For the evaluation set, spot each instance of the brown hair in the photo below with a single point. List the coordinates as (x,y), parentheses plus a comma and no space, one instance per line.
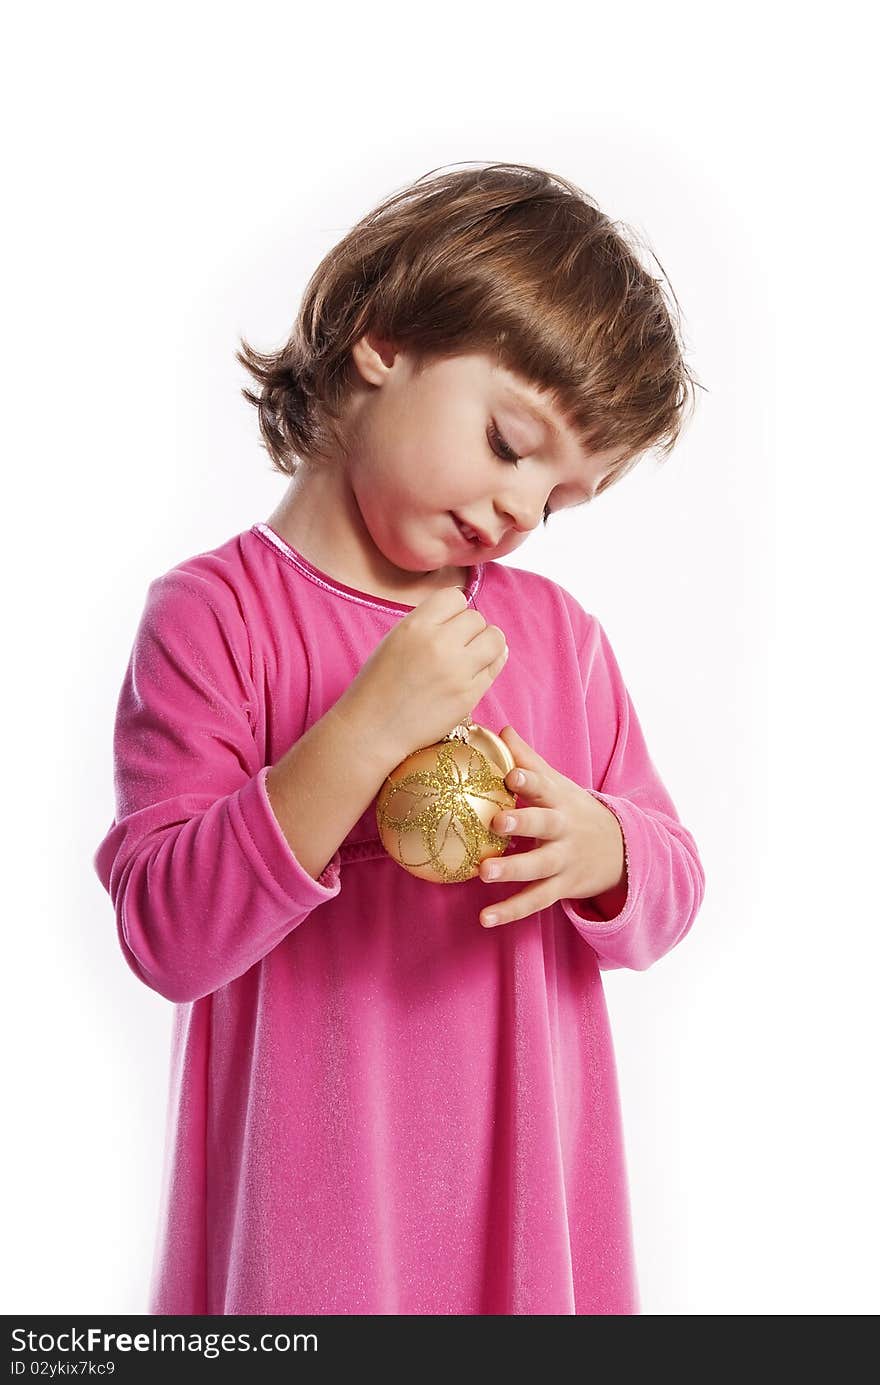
(506,260)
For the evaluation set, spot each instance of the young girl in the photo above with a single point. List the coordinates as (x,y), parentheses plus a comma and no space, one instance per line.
(391,1095)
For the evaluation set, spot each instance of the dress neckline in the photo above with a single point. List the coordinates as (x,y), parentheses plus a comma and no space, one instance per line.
(337,588)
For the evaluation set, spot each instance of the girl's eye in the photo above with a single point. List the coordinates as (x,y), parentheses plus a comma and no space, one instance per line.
(503,450)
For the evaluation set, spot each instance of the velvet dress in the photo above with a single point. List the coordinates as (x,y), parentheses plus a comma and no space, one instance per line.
(376,1105)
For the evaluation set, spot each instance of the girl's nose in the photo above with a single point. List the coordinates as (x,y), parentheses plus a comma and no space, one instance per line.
(524,509)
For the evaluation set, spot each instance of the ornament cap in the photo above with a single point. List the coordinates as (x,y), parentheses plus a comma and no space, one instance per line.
(459,732)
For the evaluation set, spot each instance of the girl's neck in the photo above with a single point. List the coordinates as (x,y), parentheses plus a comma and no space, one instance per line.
(342,547)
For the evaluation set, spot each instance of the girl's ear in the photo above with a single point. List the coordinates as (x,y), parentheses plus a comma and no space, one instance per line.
(373,357)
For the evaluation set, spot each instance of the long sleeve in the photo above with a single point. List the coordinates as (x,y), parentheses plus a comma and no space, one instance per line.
(202,878)
(665,879)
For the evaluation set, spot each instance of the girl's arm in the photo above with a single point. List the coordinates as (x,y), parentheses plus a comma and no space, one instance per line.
(665,881)
(203,879)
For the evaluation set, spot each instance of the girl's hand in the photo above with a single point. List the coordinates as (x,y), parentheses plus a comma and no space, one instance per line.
(583,855)
(426,675)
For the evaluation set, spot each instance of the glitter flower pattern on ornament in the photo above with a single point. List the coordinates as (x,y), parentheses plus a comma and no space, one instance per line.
(434,810)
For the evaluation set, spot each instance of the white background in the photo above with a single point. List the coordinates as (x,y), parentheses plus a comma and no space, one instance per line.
(173,176)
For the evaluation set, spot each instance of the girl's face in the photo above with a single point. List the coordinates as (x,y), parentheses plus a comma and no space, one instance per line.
(458,439)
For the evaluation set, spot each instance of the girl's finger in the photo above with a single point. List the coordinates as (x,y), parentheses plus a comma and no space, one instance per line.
(519,906)
(543,823)
(539,864)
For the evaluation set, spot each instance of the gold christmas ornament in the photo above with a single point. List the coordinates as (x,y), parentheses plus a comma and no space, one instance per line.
(434,810)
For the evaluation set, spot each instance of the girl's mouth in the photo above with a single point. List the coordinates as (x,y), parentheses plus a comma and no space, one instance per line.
(467,533)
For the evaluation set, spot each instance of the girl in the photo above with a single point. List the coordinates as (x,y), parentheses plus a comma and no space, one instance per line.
(379,1106)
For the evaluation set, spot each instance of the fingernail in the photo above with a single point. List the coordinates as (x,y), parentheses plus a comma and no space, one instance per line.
(517,778)
(490,872)
(489,919)
(506,822)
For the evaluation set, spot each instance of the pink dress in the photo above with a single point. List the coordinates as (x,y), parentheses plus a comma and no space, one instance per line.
(376,1105)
